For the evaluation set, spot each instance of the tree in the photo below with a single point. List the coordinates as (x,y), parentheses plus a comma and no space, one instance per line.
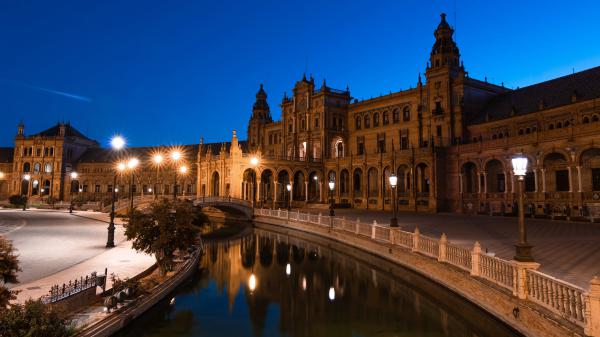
(167,226)
(17,200)
(34,319)
(9,267)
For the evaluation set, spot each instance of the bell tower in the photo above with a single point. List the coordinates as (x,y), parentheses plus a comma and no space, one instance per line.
(261,115)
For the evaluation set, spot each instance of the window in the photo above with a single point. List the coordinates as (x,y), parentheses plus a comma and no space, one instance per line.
(37,167)
(558,125)
(48,167)
(52,151)
(406,114)
(360,146)
(596,179)
(357,124)
(595,118)
(109,188)
(375,119)
(85,188)
(438,108)
(367,122)
(404,142)
(562,180)
(386,118)
(586,120)
(381,146)
(501,182)
(133,188)
(520,133)
(551,127)
(38,152)
(302,124)
(395,116)
(46,152)
(97,188)
(317,122)
(438,130)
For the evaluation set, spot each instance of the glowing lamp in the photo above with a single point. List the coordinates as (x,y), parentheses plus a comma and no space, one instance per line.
(519,164)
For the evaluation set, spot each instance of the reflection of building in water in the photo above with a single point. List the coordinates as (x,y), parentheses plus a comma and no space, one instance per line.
(298,277)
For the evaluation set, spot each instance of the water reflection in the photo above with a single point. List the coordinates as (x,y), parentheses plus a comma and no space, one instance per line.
(269,284)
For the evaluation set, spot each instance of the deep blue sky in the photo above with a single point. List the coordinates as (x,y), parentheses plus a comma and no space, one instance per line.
(168,72)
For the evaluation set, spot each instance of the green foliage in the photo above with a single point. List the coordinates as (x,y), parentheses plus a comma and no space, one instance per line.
(9,267)
(34,319)
(17,200)
(120,284)
(166,226)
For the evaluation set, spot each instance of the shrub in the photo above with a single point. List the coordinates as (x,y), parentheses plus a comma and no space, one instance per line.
(34,319)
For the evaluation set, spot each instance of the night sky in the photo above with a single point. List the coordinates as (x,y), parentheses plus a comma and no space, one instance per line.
(170,72)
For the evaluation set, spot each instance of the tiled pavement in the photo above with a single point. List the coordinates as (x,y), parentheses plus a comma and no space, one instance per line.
(566,250)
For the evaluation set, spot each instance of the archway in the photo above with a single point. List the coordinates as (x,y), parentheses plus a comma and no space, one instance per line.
(313,187)
(357,183)
(557,173)
(215,184)
(403,174)
(337,148)
(422,179)
(590,170)
(299,188)
(344,183)
(469,178)
(495,178)
(267,186)
(372,183)
(283,179)
(249,185)
(46,187)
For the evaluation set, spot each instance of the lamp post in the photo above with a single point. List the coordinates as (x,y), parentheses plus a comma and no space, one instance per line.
(289,196)
(73,177)
(158,159)
(393,183)
(523,249)
(27,177)
(182,171)
(331,187)
(175,156)
(117,143)
(131,165)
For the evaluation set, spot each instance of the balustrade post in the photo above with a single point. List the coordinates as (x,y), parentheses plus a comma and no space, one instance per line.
(442,248)
(476,259)
(592,312)
(319,218)
(373,229)
(357,229)
(520,286)
(416,235)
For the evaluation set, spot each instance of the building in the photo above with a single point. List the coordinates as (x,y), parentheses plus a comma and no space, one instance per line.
(449,140)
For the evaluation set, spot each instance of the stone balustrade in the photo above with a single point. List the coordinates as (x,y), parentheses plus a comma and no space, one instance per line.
(567,301)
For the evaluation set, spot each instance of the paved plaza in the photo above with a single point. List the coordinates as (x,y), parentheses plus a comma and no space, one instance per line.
(567,250)
(55,247)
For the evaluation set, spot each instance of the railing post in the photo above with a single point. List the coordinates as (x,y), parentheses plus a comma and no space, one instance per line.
(416,235)
(279,212)
(476,259)
(442,248)
(520,287)
(592,313)
(357,229)
(373,229)
(319,219)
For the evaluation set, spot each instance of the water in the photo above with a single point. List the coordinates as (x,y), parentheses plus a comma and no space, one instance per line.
(273,284)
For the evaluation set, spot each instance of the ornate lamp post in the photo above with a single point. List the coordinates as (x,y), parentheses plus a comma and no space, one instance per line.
(157,159)
(117,143)
(175,157)
(289,195)
(331,187)
(26,177)
(73,177)
(393,183)
(182,171)
(523,249)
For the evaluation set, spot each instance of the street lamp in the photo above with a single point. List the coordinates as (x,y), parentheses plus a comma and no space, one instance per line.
(27,177)
(523,249)
(289,195)
(175,157)
(393,184)
(331,187)
(182,171)
(157,159)
(117,143)
(73,177)
(131,165)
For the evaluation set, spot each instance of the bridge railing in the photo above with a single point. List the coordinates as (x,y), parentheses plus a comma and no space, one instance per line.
(564,299)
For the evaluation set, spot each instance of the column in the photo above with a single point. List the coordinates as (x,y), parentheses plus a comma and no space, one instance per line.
(543,180)
(259,191)
(505,183)
(275,193)
(569,169)
(320,191)
(535,179)
(460,183)
(479,183)
(484,182)
(306,191)
(579,179)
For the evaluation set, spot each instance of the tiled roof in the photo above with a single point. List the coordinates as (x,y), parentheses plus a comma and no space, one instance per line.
(585,85)
(6,154)
(70,131)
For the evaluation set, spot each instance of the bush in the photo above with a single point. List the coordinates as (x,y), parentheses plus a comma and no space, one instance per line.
(34,319)
(17,200)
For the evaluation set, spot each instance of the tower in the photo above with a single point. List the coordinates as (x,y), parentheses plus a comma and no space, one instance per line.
(440,110)
(261,115)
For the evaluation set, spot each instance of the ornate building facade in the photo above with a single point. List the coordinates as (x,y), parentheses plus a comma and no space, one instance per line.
(449,140)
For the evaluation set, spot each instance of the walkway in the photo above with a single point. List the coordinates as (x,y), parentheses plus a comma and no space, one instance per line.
(565,249)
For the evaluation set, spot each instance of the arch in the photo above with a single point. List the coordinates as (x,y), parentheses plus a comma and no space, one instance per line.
(337,148)
(249,187)
(387,188)
(403,174)
(248,251)
(314,186)
(357,124)
(37,167)
(267,185)
(372,182)
(344,182)
(395,116)
(299,187)
(594,118)
(24,187)
(495,176)
(375,119)
(215,184)
(35,187)
(470,176)
(406,114)
(26,167)
(423,181)
(357,182)
(590,169)
(367,122)
(386,118)
(557,172)
(46,187)
(283,179)
(48,167)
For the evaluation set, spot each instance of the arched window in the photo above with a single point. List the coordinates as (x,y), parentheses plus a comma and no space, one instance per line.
(375,119)
(26,167)
(528,131)
(367,122)
(406,114)
(494,136)
(567,123)
(551,127)
(520,132)
(586,120)
(395,116)
(594,118)
(558,125)
(37,167)
(358,119)
(386,118)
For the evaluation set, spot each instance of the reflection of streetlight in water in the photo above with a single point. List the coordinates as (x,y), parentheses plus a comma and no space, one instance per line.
(331,294)
(303,282)
(252,282)
(288,269)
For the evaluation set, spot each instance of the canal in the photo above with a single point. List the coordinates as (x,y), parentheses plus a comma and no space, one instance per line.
(284,284)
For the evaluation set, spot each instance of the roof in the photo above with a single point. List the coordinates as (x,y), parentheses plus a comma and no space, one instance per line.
(554,93)
(6,154)
(70,131)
